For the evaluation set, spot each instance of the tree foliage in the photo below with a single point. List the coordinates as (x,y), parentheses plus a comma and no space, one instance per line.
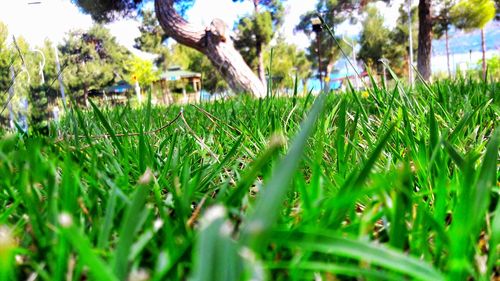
(5,59)
(378,41)
(234,69)
(497,4)
(398,49)
(193,60)
(142,70)
(5,62)
(375,38)
(94,60)
(107,10)
(471,14)
(255,32)
(152,39)
(31,95)
(443,19)
(334,13)
(287,61)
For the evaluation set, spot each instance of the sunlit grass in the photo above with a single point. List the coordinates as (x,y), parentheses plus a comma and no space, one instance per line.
(380,185)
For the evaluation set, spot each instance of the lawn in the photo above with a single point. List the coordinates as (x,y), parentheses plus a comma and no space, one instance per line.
(399,184)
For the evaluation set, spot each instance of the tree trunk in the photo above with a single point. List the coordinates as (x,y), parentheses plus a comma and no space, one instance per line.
(261,68)
(256,5)
(424,38)
(483,48)
(447,51)
(86,95)
(222,54)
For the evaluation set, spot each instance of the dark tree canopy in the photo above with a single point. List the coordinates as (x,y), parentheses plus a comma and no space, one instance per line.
(109,10)
(255,32)
(374,39)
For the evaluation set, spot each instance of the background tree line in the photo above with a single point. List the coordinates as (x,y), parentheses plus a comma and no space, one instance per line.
(92,59)
(254,32)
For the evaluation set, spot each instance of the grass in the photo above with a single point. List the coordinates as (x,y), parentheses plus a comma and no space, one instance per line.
(401,185)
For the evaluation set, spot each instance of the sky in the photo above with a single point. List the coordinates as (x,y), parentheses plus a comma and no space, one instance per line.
(52,19)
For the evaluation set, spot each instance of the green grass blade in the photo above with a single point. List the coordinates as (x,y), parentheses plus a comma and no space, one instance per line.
(98,269)
(103,239)
(216,255)
(319,241)
(337,269)
(130,225)
(253,171)
(267,207)
(107,126)
(367,167)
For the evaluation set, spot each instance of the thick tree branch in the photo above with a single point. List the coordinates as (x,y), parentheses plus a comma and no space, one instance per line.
(177,27)
(222,54)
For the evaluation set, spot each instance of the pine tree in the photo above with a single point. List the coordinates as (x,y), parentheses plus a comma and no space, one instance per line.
(474,14)
(254,33)
(152,39)
(94,60)
(334,13)
(374,38)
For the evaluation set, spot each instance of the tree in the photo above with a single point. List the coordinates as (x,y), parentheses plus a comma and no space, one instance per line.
(425,23)
(29,99)
(337,8)
(94,60)
(5,59)
(222,54)
(5,63)
(378,42)
(442,23)
(497,4)
(41,89)
(374,38)
(49,70)
(287,61)
(471,14)
(193,60)
(254,33)
(142,70)
(152,39)
(25,75)
(334,12)
(397,52)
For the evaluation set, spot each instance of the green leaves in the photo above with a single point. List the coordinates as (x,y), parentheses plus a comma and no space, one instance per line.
(470,14)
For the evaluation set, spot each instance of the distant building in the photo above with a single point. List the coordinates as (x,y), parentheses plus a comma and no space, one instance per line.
(176,81)
(117,93)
